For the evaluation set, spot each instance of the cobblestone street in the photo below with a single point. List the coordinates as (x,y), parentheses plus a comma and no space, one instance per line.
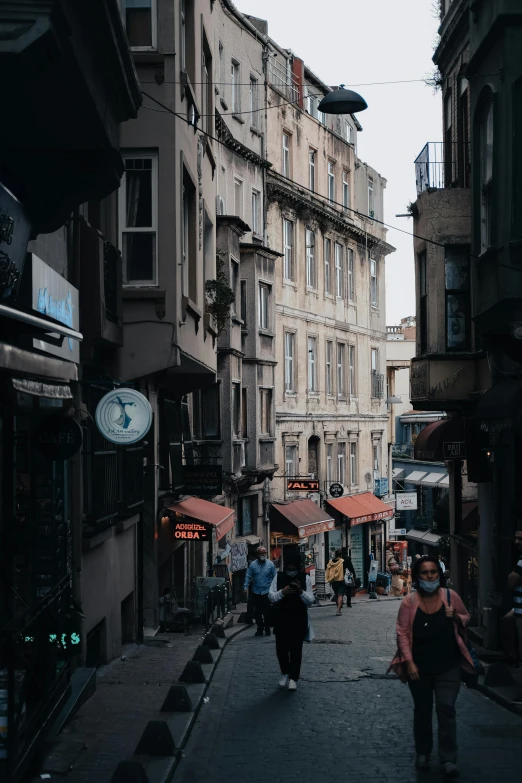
(346,721)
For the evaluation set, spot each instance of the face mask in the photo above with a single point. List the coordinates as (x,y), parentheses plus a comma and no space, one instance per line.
(429,587)
(291,572)
(262,558)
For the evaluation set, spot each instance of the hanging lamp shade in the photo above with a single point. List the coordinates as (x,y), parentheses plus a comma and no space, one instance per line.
(342,101)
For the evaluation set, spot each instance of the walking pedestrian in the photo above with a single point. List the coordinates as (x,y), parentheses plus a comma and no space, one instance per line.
(291,594)
(335,576)
(260,574)
(348,567)
(431,628)
(515,584)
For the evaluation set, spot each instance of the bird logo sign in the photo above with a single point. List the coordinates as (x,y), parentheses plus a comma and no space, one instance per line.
(124,416)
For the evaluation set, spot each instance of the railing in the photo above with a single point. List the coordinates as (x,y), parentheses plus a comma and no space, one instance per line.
(406,450)
(429,167)
(377,385)
(279,78)
(395,329)
(111,280)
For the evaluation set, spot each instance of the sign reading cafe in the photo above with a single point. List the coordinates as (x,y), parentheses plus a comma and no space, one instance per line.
(124,416)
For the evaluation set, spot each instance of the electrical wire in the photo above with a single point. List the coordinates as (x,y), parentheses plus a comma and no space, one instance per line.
(347,86)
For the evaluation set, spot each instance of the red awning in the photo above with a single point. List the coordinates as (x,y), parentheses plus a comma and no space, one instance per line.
(205,511)
(303,514)
(361,508)
(442,440)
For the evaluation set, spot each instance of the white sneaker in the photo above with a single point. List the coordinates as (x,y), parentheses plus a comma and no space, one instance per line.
(283,682)
(292,685)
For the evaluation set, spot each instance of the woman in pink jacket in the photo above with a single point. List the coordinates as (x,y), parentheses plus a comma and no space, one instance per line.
(432,651)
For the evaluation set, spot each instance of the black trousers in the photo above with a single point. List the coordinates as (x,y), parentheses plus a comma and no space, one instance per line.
(445,687)
(261,606)
(290,632)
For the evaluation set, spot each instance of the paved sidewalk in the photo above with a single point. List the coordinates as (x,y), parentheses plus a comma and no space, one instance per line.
(130,692)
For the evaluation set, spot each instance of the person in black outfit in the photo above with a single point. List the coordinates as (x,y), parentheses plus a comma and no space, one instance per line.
(348,566)
(290,594)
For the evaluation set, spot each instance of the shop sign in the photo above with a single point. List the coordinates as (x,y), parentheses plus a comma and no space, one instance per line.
(58,438)
(398,531)
(191,531)
(203,480)
(336,490)
(123,416)
(318,527)
(15,230)
(302,485)
(406,501)
(239,556)
(454,450)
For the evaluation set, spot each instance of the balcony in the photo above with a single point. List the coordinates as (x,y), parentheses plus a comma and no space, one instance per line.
(448,381)
(443,165)
(284,82)
(377,385)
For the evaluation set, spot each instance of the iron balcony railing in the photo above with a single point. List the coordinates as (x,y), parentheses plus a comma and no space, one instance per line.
(282,80)
(429,167)
(377,385)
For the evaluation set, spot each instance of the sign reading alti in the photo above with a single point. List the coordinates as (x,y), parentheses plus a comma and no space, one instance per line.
(302,485)
(192,531)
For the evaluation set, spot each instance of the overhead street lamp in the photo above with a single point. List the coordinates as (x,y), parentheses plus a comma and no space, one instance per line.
(342,101)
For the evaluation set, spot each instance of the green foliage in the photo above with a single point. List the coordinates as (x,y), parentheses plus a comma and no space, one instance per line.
(220,297)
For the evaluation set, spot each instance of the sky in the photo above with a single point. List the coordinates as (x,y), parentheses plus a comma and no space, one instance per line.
(354,42)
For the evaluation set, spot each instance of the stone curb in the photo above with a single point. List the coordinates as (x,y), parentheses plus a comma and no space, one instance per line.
(162,770)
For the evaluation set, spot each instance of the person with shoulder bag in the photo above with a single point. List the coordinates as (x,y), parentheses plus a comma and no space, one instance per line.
(432,655)
(350,577)
(335,576)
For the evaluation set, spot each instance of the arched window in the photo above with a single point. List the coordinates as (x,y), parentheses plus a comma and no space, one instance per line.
(486,175)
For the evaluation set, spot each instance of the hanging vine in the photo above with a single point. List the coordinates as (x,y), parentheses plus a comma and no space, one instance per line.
(220,296)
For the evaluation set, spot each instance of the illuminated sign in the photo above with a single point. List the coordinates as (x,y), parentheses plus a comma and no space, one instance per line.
(302,485)
(191,531)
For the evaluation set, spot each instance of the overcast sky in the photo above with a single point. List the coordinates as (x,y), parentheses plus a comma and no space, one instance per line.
(360,41)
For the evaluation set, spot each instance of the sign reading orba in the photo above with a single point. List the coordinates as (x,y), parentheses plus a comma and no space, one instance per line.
(124,416)
(191,531)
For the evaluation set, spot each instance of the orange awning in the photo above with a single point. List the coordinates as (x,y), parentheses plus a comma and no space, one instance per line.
(205,511)
(361,508)
(303,514)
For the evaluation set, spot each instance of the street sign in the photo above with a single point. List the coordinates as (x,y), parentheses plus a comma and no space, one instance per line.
(406,501)
(398,531)
(336,490)
(302,485)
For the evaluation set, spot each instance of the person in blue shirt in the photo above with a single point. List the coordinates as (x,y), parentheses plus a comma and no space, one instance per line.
(259,577)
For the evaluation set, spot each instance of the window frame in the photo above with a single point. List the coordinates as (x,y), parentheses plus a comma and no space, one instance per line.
(351,273)
(341,460)
(235,84)
(207,87)
(290,358)
(153,27)
(235,404)
(239,181)
(122,219)
(329,462)
(353,464)
(256,210)
(311,270)
(374,287)
(294,461)
(422,262)
(289,257)
(254,101)
(346,189)
(331,181)
(286,164)
(264,311)
(352,370)
(487,111)
(371,198)
(312,156)
(464,293)
(311,347)
(341,369)
(329,385)
(327,255)
(339,270)
(266,397)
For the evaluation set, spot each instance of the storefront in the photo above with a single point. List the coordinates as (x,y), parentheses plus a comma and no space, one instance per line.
(299,523)
(363,518)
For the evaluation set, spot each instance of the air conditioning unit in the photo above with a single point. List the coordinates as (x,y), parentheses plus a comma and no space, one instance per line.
(220,206)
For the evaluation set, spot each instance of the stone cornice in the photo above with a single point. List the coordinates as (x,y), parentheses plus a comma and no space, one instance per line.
(224,134)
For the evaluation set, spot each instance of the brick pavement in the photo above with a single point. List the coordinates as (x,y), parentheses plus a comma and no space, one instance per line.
(344,722)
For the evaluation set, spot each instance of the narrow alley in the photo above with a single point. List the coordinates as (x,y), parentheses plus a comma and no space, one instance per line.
(347,721)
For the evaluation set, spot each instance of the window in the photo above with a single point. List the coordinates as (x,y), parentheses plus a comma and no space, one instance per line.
(207,89)
(312,364)
(311,102)
(448,139)
(457,293)
(236,410)
(238,197)
(244,412)
(351,367)
(376,448)
(339,271)
(331,181)
(222,74)
(221,200)
(289,361)
(187,36)
(353,464)
(206,413)
(371,198)
(341,463)
(234,284)
(256,205)
(328,266)
(311,169)
(310,258)
(329,462)
(235,78)
(288,230)
(423,301)
(346,189)
(373,283)
(291,461)
(254,101)
(243,313)
(140,23)
(329,368)
(377,380)
(138,207)
(183,31)
(247,516)
(341,391)
(348,132)
(265,409)
(375,360)
(264,305)
(486,176)
(286,155)
(351,275)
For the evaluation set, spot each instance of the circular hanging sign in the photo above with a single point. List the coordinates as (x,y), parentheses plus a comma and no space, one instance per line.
(58,438)
(336,490)
(123,416)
